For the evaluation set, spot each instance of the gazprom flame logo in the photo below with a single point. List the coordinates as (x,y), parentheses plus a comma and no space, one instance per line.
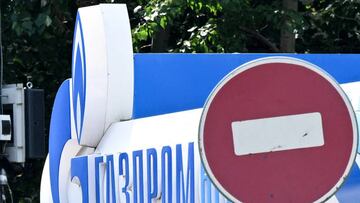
(78,77)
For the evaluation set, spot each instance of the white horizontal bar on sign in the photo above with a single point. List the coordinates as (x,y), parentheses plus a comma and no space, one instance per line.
(277,133)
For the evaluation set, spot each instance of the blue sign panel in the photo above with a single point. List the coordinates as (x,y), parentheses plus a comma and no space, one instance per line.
(166,83)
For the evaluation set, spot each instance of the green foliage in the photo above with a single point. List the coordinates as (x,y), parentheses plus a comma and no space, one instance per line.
(37,41)
(191,22)
(247,25)
(334,26)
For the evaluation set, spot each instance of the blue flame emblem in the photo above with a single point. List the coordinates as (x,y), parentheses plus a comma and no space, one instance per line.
(78,77)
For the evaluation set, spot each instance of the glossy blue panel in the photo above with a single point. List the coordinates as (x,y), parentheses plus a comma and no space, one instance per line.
(79,169)
(98,161)
(350,191)
(152,174)
(185,181)
(110,179)
(79,77)
(124,171)
(166,168)
(166,83)
(60,133)
(138,176)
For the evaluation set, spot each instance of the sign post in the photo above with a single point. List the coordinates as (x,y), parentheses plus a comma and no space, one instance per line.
(278,129)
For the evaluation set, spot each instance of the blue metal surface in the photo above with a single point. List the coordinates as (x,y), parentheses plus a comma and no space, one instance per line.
(60,133)
(350,191)
(166,83)
(79,77)
(79,169)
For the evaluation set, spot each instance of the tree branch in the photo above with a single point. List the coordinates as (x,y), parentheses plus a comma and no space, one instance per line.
(260,37)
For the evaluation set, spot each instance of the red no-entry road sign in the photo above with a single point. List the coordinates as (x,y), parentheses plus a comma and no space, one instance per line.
(278,129)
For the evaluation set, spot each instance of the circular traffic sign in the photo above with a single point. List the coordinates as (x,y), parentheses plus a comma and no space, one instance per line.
(278,129)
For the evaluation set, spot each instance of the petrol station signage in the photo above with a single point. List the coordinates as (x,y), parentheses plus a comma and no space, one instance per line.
(124,127)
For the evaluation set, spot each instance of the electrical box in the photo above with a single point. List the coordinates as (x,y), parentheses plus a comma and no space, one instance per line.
(13,105)
(34,124)
(5,128)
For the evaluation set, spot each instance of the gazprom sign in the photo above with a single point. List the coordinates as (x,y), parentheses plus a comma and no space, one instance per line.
(124,128)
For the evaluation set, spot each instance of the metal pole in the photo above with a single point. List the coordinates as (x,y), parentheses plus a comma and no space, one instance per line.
(1,63)
(3,184)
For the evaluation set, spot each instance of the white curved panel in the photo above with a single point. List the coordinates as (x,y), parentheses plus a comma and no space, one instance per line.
(71,150)
(102,80)
(45,188)
(120,63)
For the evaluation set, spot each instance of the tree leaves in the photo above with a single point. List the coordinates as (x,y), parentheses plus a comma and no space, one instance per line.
(37,43)
(43,20)
(248,25)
